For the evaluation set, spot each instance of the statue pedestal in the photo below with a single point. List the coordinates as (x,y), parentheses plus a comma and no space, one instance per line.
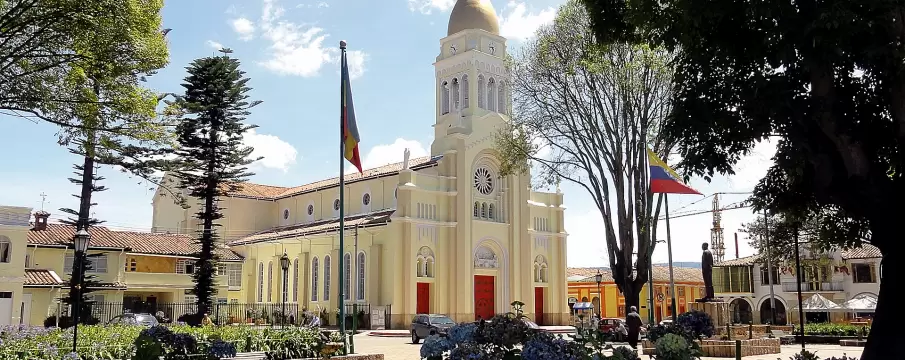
(718,311)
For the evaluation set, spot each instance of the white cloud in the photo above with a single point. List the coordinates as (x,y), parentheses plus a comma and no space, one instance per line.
(277,153)
(299,50)
(519,24)
(319,5)
(244,28)
(428,6)
(214,44)
(392,153)
(751,168)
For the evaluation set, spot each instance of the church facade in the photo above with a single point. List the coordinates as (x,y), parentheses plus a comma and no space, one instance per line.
(443,234)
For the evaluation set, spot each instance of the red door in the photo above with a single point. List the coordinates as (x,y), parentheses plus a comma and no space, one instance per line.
(424,298)
(483,297)
(539,305)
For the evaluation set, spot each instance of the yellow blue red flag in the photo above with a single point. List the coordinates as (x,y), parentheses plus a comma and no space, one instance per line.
(350,138)
(664,179)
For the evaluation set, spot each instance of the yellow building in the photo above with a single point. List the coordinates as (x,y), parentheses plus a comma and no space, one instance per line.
(134,269)
(583,288)
(439,234)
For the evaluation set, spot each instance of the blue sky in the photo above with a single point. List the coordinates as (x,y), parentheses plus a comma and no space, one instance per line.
(289,49)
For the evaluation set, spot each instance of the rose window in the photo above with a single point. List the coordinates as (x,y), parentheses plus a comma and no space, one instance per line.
(483,181)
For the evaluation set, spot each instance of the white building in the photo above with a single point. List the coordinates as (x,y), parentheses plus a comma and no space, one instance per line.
(837,275)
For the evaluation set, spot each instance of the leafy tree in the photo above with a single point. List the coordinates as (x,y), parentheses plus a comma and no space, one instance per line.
(587,114)
(211,159)
(825,78)
(42,43)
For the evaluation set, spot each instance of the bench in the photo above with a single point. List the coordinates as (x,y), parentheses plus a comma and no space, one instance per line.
(782,336)
(259,355)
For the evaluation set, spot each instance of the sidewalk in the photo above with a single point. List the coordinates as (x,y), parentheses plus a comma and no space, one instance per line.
(406,333)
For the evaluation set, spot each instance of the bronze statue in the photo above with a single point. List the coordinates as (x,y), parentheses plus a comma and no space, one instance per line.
(707,271)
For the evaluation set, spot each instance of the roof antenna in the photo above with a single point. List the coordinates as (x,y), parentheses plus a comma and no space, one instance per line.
(43,200)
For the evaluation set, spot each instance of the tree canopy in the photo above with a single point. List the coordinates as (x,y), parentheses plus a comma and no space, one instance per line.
(822,77)
(586,114)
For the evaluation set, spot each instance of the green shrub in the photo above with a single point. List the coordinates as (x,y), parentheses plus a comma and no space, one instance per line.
(674,347)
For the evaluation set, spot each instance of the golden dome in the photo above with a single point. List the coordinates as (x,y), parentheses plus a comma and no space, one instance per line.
(473,14)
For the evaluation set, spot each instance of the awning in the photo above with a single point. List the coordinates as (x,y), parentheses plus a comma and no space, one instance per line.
(818,303)
(865,303)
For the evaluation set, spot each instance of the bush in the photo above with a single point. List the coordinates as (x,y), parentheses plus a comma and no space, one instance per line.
(674,347)
(698,323)
(828,329)
(807,355)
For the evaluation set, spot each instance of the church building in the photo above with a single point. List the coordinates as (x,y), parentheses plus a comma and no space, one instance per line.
(443,234)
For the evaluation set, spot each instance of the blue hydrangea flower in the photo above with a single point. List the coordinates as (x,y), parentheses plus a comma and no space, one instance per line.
(222,349)
(434,346)
(467,351)
(71,356)
(462,332)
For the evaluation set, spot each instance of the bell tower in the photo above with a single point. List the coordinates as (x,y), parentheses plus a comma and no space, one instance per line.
(471,77)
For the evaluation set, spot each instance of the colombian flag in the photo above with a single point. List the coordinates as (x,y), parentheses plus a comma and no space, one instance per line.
(349,127)
(665,180)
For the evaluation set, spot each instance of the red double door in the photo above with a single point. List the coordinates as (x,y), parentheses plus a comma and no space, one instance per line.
(539,305)
(484,304)
(423,294)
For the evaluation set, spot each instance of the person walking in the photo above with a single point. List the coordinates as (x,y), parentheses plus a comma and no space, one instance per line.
(634,326)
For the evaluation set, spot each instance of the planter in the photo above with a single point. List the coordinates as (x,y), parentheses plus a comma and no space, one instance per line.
(726,349)
(355,357)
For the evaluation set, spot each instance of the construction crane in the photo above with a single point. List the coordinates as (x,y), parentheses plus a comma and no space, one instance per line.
(716,232)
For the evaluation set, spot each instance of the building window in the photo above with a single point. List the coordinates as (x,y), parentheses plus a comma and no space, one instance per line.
(425,262)
(680,291)
(765,275)
(234,275)
(185,266)
(360,292)
(444,98)
(477,209)
(481,91)
(5,249)
(347,285)
(336,205)
(366,199)
(483,181)
(483,210)
(310,210)
(295,280)
(327,278)
(95,263)
(270,281)
(863,273)
(540,269)
(285,214)
(131,265)
(314,269)
(261,282)
(465,91)
(490,211)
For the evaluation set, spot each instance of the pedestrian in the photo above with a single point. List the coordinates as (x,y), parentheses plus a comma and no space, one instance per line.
(634,326)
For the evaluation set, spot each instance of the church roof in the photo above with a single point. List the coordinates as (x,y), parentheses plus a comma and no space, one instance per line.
(377,218)
(473,14)
(268,192)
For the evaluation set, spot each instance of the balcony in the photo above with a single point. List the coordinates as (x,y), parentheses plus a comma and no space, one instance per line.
(163,280)
(827,286)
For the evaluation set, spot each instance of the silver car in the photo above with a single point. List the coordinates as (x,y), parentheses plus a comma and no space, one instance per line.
(146,320)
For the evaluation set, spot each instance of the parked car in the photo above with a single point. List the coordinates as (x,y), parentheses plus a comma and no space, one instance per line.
(607,324)
(135,319)
(424,325)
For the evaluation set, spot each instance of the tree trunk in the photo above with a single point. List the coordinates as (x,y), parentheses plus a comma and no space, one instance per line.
(632,297)
(885,339)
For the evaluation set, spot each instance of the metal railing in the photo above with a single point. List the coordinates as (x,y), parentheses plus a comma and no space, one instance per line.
(813,286)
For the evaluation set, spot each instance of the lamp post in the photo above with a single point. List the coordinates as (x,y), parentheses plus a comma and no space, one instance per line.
(284,264)
(599,279)
(80,242)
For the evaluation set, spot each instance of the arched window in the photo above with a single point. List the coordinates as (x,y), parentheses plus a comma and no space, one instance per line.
(536,272)
(483,210)
(295,280)
(444,98)
(261,282)
(270,281)
(314,271)
(465,91)
(491,95)
(477,209)
(360,291)
(481,91)
(540,269)
(347,284)
(490,211)
(425,262)
(456,95)
(327,278)
(501,98)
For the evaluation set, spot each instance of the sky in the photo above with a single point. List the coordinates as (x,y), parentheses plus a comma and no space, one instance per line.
(289,49)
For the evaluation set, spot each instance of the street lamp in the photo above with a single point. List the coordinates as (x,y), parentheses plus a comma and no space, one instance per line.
(284,264)
(80,242)
(599,279)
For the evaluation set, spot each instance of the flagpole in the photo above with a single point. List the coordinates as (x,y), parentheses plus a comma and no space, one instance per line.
(672,282)
(342,203)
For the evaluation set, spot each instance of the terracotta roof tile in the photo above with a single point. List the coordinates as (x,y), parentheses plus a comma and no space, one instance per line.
(742,261)
(259,191)
(365,220)
(866,251)
(661,274)
(41,278)
(138,242)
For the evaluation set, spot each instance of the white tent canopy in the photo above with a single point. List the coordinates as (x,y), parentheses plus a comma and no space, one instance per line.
(818,303)
(863,303)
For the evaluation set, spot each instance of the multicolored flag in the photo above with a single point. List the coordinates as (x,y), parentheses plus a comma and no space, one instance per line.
(349,127)
(664,179)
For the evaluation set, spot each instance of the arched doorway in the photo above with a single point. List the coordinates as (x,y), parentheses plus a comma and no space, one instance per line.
(766,313)
(741,311)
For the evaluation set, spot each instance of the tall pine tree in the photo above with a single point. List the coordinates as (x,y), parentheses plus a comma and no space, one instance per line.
(211,160)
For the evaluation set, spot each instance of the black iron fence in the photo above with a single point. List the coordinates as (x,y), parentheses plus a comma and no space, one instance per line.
(261,314)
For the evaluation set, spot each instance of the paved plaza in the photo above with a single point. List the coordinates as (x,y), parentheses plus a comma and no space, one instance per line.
(399,348)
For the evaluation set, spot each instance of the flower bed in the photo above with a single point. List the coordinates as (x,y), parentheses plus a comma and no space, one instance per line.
(176,342)
(726,349)
(758,331)
(829,329)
